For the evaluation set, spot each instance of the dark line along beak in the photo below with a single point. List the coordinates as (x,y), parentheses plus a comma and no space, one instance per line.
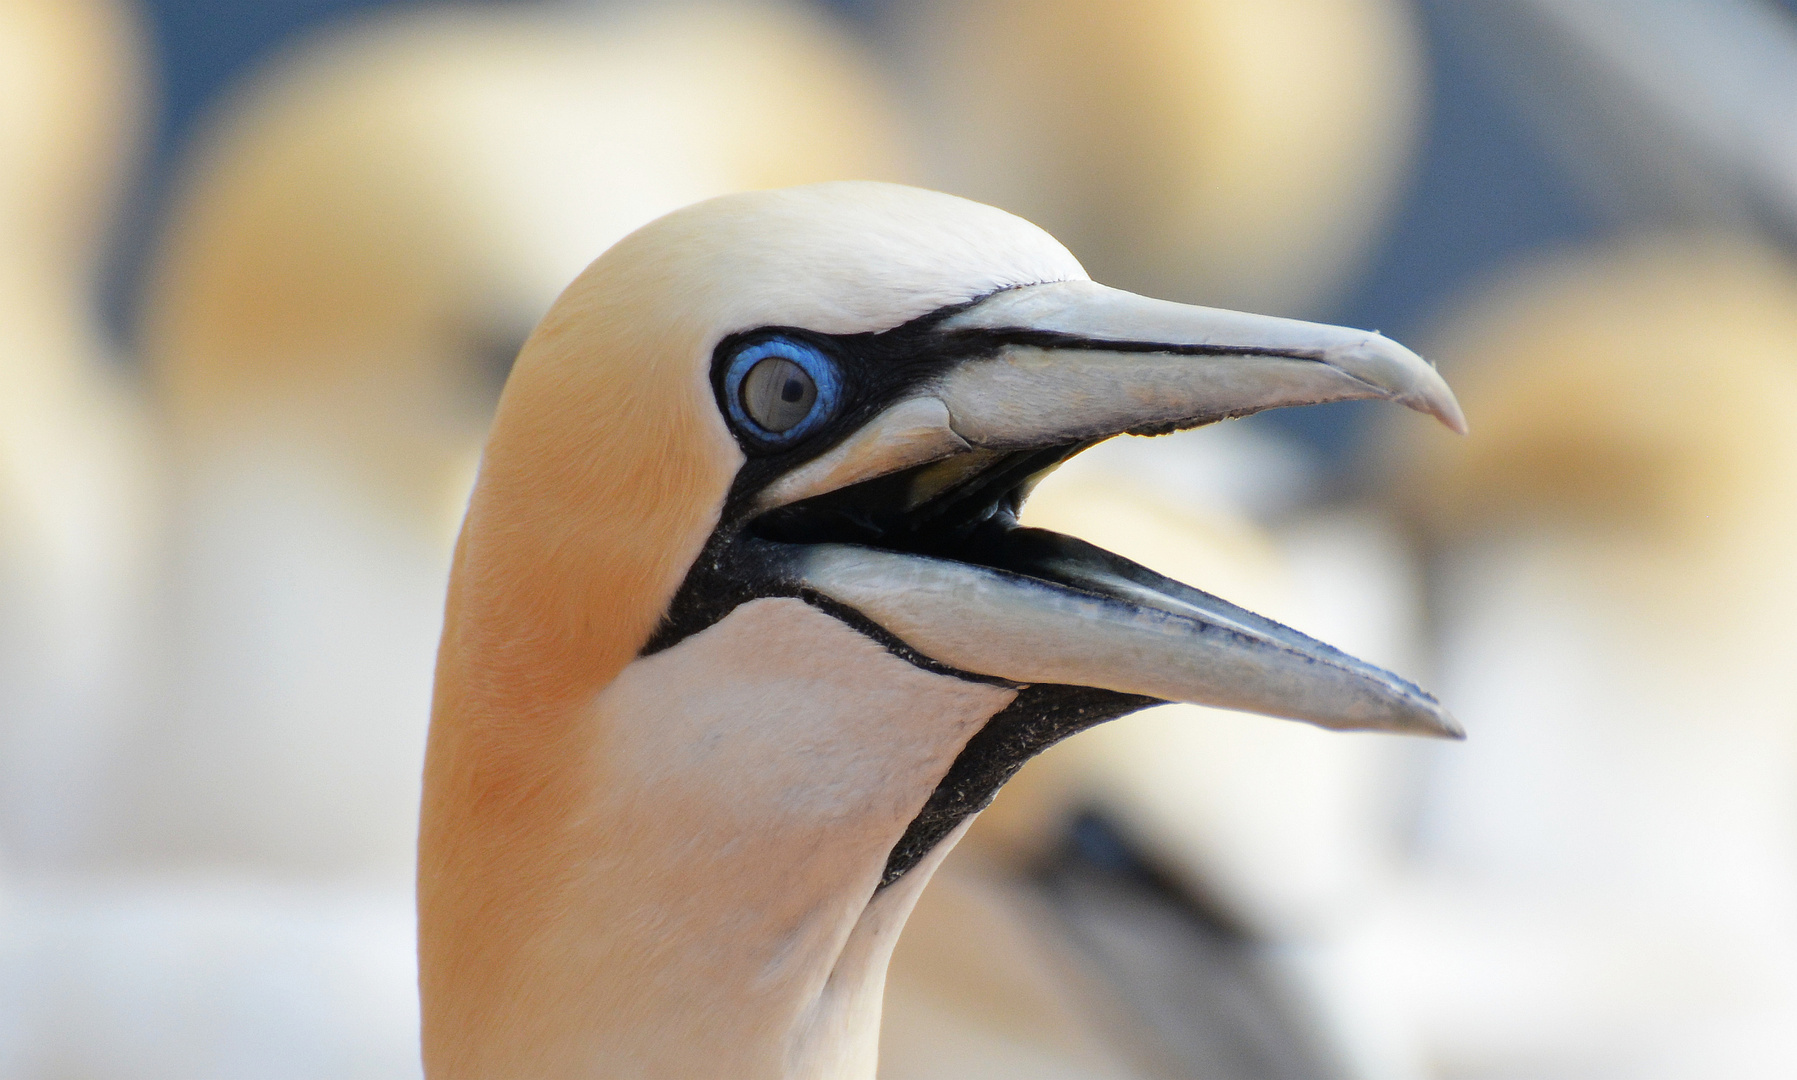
(1102,362)
(1084,362)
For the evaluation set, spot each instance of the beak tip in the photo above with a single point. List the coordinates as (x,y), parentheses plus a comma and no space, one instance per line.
(1444,726)
(1449,414)
(1407,377)
(1417,712)
(1433,395)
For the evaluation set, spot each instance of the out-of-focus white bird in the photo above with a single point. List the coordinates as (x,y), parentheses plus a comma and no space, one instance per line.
(75,479)
(1608,886)
(362,245)
(1221,152)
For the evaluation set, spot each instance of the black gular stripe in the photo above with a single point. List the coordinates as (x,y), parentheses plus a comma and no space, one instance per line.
(1041,716)
(747,558)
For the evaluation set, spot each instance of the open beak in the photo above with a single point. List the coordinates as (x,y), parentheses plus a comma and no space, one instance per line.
(911,521)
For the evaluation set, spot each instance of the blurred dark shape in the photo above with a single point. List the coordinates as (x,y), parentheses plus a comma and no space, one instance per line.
(1195,982)
(1666,113)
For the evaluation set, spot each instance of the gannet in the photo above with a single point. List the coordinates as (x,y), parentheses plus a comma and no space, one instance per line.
(740,633)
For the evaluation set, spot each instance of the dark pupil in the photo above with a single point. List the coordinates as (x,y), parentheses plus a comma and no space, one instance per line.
(778,394)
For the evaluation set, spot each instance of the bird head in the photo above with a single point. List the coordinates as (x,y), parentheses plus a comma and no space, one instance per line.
(742,627)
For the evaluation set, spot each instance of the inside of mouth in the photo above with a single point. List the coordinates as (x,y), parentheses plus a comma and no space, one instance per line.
(962,508)
(966,509)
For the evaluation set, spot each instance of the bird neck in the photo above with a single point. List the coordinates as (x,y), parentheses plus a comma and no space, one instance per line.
(684,879)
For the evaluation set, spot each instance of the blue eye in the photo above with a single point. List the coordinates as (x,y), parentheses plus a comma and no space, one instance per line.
(780,390)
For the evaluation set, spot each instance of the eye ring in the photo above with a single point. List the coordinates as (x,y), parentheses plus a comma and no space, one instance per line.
(779,390)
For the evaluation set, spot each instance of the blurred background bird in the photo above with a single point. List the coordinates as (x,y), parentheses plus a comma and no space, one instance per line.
(1609,886)
(76,532)
(363,242)
(1239,154)
(216,626)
